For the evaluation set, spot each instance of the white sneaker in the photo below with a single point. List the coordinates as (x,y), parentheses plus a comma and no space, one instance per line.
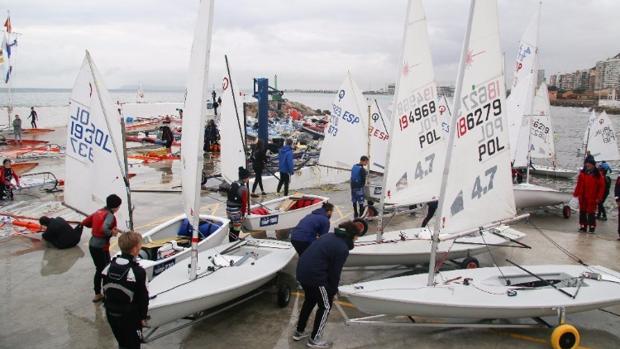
(318,343)
(297,336)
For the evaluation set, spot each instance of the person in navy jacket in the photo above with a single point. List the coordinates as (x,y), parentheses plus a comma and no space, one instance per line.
(318,272)
(311,227)
(286,166)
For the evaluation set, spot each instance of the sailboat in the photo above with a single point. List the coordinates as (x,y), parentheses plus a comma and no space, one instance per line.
(600,138)
(414,163)
(223,273)
(520,106)
(281,213)
(477,191)
(541,137)
(96,166)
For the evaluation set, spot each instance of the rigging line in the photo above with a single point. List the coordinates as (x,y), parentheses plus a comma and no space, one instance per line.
(381,116)
(558,246)
(492,256)
(547,283)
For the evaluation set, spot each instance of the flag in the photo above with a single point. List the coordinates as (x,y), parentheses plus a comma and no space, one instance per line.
(7,25)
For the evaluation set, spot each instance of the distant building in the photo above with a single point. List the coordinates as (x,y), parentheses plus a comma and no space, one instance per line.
(592,79)
(540,77)
(553,80)
(611,76)
(391,88)
(566,81)
(580,80)
(447,91)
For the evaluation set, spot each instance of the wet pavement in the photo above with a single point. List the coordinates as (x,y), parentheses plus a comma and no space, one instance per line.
(46,293)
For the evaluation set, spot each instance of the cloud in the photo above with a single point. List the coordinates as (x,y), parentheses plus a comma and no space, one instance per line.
(309,44)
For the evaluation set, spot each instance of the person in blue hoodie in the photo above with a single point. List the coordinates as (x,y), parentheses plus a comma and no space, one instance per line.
(358,183)
(286,165)
(318,272)
(311,227)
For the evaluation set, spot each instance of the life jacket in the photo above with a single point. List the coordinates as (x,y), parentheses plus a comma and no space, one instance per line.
(95,222)
(234,195)
(119,284)
(8,174)
(356,176)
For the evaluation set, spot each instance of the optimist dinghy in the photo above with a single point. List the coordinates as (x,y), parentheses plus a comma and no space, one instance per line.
(225,273)
(600,138)
(500,292)
(282,213)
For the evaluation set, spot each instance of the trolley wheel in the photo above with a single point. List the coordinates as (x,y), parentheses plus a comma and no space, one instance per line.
(566,212)
(284,295)
(470,263)
(565,336)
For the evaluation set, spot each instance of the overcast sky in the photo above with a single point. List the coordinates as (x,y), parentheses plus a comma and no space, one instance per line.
(309,44)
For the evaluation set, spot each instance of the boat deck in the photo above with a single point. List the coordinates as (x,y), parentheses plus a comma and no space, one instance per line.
(46,293)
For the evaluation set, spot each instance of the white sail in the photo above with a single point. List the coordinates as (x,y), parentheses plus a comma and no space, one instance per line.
(193,125)
(378,131)
(519,103)
(94,161)
(477,186)
(232,132)
(541,138)
(416,148)
(346,134)
(600,138)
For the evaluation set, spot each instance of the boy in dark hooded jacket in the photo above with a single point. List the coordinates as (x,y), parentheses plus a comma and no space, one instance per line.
(311,227)
(318,272)
(286,166)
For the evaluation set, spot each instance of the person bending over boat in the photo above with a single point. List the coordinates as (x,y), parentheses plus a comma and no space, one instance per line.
(311,227)
(604,169)
(259,158)
(589,190)
(103,228)
(126,293)
(318,272)
(6,176)
(358,183)
(59,233)
(237,203)
(166,134)
(286,166)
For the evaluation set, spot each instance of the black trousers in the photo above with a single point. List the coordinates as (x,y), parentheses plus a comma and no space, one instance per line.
(602,211)
(300,246)
(126,328)
(258,179)
(101,258)
(285,179)
(587,219)
(315,296)
(432,207)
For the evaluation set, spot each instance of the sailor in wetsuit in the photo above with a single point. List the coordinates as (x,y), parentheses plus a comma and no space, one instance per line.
(126,293)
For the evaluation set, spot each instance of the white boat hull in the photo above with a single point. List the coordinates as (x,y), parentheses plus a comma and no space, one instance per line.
(486,295)
(416,247)
(530,196)
(277,220)
(555,172)
(177,297)
(169,230)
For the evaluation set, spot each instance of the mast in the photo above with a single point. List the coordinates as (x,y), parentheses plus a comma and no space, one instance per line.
(122,164)
(390,139)
(446,169)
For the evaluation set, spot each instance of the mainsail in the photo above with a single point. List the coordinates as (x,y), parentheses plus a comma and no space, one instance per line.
(346,134)
(476,187)
(94,162)
(519,103)
(194,121)
(232,132)
(600,138)
(378,131)
(541,136)
(416,149)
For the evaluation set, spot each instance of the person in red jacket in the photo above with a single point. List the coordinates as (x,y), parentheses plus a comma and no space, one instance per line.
(103,225)
(590,190)
(6,175)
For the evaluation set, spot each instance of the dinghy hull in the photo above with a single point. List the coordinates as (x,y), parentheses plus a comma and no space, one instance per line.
(530,196)
(406,248)
(486,296)
(553,172)
(276,219)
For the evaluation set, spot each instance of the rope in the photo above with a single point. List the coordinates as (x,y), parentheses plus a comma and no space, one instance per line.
(562,249)
(492,256)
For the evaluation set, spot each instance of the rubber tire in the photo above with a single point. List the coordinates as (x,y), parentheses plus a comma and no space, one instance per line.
(284,295)
(470,263)
(565,336)
(566,212)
